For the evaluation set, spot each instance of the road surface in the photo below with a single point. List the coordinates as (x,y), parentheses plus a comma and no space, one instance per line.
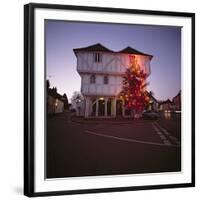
(106,148)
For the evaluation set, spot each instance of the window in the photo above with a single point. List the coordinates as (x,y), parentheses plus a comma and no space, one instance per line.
(97,57)
(92,79)
(105,79)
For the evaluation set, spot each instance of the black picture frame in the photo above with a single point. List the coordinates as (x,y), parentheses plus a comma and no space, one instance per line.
(29,95)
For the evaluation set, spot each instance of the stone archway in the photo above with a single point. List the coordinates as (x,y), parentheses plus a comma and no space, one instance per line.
(94,105)
(109,107)
(119,107)
(101,110)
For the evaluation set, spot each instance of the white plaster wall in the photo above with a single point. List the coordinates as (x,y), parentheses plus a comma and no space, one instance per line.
(111,62)
(60,107)
(99,88)
(113,65)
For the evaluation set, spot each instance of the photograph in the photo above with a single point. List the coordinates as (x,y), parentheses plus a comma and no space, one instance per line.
(113,99)
(108,99)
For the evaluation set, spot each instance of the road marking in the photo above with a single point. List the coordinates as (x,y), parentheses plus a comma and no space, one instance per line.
(128,140)
(161,135)
(174,139)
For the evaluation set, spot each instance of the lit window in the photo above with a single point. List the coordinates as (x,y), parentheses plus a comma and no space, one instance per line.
(92,79)
(97,57)
(105,80)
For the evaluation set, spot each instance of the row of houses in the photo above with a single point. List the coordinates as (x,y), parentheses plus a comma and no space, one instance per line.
(168,105)
(101,71)
(56,103)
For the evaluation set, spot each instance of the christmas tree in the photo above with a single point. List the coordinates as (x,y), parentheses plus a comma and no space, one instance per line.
(134,88)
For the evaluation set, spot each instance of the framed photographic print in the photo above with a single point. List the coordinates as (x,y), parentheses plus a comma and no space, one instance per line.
(108,99)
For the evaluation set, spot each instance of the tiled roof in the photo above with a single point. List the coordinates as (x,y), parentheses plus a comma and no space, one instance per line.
(151,96)
(130,50)
(53,93)
(99,47)
(95,47)
(166,102)
(179,93)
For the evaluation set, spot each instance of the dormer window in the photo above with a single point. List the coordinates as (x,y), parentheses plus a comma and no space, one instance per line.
(97,57)
(92,79)
(105,79)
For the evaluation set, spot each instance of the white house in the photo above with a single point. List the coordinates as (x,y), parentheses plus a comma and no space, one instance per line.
(101,71)
(55,102)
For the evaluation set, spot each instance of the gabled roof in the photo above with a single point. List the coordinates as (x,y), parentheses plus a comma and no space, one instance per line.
(130,50)
(179,94)
(52,92)
(151,96)
(100,48)
(95,47)
(166,102)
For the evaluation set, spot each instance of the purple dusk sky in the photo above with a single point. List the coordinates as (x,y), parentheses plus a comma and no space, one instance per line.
(163,42)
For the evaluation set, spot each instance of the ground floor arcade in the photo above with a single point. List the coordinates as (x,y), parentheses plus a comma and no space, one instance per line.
(105,107)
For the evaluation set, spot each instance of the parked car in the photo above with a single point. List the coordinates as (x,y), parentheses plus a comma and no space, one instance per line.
(150,115)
